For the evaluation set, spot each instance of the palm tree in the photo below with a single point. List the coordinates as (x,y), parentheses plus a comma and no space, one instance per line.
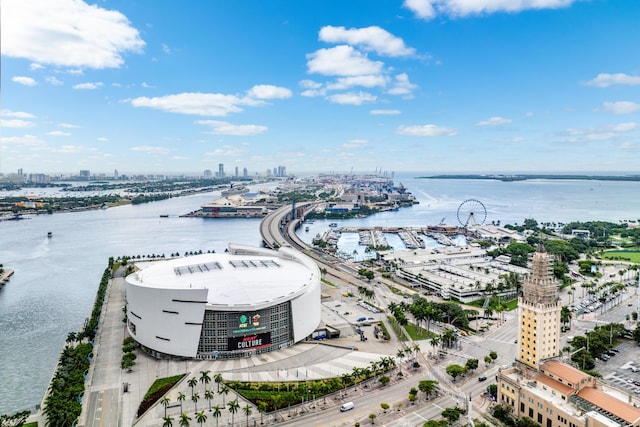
(201,417)
(195,397)
(181,398)
(193,381)
(224,391)
(262,408)
(372,417)
(208,394)
(247,411)
(184,420)
(434,341)
(168,421)
(218,379)
(165,402)
(205,378)
(565,315)
(233,408)
(217,413)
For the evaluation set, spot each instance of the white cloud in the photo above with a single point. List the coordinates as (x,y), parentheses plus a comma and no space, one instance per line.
(18,114)
(311,93)
(26,140)
(15,123)
(67,33)
(428,9)
(606,80)
(149,149)
(352,98)
(624,127)
(102,139)
(426,130)
(201,104)
(268,92)
(621,107)
(384,112)
(35,66)
(226,128)
(54,81)
(58,133)
(88,86)
(512,139)
(341,61)
(402,86)
(73,149)
(68,126)
(355,143)
(494,121)
(364,81)
(310,84)
(369,38)
(23,80)
(226,150)
(166,49)
(422,8)
(603,133)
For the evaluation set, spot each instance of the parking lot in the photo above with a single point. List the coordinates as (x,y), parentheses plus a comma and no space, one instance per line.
(622,370)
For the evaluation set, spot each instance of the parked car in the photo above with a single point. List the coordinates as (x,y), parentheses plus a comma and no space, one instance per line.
(482,378)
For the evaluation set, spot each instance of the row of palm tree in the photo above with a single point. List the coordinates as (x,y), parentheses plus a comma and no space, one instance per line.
(201,417)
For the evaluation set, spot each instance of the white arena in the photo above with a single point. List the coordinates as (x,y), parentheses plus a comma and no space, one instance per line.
(242,302)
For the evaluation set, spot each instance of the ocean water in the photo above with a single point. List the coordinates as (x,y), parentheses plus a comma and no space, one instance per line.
(55,280)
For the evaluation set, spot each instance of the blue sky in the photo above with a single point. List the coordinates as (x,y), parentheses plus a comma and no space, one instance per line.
(436,86)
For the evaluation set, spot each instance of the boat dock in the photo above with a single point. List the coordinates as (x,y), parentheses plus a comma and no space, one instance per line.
(412,237)
(372,238)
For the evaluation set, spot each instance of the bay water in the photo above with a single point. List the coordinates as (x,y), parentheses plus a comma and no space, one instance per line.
(55,280)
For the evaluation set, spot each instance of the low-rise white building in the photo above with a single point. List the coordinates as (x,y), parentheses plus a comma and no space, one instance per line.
(246,301)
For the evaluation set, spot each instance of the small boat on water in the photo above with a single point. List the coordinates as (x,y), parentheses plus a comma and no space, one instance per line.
(164,215)
(333,225)
(50,234)
(306,228)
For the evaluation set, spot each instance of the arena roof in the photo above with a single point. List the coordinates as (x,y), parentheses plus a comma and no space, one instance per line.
(249,276)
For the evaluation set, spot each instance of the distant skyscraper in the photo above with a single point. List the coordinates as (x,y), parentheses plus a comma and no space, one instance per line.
(236,175)
(245,173)
(85,174)
(282,171)
(20,173)
(220,170)
(115,174)
(539,313)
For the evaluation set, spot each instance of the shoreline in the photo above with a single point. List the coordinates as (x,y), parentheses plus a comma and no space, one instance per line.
(525,177)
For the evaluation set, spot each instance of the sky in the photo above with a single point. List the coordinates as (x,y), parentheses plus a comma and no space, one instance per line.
(435,86)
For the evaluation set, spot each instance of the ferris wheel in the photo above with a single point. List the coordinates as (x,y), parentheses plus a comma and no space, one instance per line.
(471,212)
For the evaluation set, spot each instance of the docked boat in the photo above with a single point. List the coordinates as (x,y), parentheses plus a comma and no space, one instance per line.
(50,234)
(234,191)
(333,225)
(306,228)
(164,215)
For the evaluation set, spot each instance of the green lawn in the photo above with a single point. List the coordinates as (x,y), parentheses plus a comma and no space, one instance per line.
(418,334)
(629,255)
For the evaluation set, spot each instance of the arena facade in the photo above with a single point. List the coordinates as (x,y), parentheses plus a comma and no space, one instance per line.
(239,303)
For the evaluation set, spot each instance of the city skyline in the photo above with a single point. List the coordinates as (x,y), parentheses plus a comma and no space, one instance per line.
(416,85)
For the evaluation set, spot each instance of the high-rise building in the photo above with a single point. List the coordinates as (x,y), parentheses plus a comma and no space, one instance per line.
(539,313)
(85,174)
(245,173)
(236,175)
(116,175)
(542,387)
(220,170)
